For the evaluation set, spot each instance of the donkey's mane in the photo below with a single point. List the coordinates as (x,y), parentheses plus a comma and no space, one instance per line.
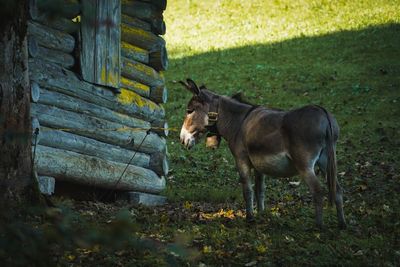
(239,97)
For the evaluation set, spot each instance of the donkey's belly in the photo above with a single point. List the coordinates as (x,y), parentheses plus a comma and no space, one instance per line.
(279,165)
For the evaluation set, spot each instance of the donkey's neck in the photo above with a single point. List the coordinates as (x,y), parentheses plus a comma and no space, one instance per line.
(231,114)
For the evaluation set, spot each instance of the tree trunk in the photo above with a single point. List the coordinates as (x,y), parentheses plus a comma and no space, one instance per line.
(17,185)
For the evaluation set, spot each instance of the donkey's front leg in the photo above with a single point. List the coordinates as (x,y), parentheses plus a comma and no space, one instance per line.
(245,179)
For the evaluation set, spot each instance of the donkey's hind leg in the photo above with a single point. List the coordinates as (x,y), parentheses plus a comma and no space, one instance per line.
(313,184)
(260,190)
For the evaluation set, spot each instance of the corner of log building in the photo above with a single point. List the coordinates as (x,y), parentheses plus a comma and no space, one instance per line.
(99,86)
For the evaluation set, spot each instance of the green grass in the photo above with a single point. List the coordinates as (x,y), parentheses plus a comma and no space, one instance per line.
(344,55)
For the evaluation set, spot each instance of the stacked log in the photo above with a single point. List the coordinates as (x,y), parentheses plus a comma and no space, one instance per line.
(143,51)
(88,134)
(51,34)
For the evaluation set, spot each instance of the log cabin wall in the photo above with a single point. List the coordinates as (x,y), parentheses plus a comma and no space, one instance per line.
(90,130)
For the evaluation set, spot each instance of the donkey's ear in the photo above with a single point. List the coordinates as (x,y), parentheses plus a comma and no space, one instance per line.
(191,86)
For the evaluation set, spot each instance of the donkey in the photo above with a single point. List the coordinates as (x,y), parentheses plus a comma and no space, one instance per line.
(268,141)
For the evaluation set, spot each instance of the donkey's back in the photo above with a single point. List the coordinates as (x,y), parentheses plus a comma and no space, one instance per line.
(286,143)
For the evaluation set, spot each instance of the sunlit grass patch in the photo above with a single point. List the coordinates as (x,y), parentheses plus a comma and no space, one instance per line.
(201,26)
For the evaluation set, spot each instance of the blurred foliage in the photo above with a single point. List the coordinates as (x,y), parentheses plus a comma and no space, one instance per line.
(61,236)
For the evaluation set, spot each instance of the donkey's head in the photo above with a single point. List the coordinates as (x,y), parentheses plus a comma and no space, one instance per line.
(199,117)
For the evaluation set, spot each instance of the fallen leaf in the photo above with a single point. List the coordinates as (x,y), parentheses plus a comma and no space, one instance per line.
(359,253)
(207,249)
(252,263)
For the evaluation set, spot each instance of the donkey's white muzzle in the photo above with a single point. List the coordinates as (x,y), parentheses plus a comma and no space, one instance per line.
(187,138)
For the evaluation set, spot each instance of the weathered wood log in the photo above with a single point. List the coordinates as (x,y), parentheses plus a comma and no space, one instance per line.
(87,146)
(135,22)
(135,53)
(58,23)
(51,38)
(52,20)
(61,58)
(46,184)
(100,36)
(129,97)
(98,129)
(159,94)
(139,198)
(64,81)
(159,163)
(161,128)
(36,131)
(33,46)
(141,73)
(58,8)
(159,59)
(93,171)
(79,106)
(160,4)
(35,92)
(146,12)
(134,86)
(141,38)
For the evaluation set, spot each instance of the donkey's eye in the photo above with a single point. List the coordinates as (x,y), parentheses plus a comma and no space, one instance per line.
(189,111)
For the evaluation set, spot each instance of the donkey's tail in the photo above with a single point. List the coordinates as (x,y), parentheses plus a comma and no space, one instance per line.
(331,170)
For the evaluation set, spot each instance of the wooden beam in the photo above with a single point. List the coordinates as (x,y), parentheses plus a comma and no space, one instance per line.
(134,86)
(139,198)
(159,59)
(87,146)
(141,73)
(159,94)
(55,56)
(134,53)
(141,38)
(159,163)
(98,129)
(51,38)
(146,12)
(60,8)
(100,36)
(35,92)
(36,130)
(93,171)
(79,106)
(46,184)
(46,17)
(56,78)
(161,128)
(135,22)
